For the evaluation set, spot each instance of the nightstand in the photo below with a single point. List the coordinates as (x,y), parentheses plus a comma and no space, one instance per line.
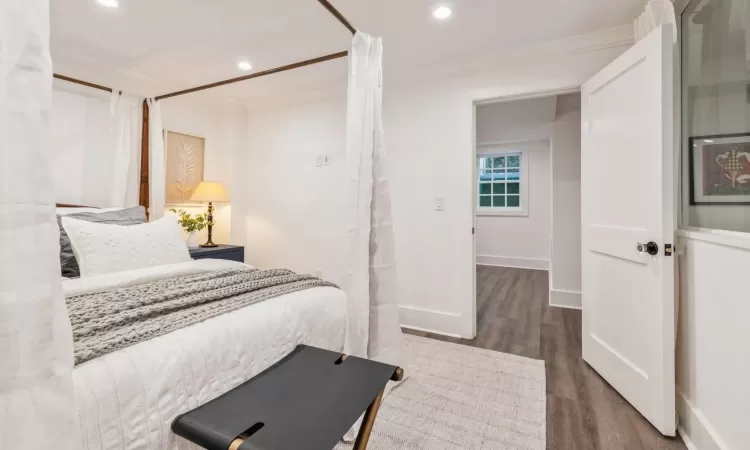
(229,252)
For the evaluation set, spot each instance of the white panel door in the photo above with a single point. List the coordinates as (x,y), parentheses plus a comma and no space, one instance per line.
(627,202)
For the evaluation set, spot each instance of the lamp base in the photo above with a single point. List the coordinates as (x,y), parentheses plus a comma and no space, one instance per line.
(210,219)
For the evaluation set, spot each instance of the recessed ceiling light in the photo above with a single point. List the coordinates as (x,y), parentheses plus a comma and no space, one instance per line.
(109,3)
(442,13)
(244,66)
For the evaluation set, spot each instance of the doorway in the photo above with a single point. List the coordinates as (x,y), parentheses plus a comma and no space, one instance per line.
(527,183)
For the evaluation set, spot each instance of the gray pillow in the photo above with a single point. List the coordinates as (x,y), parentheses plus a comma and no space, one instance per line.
(129,216)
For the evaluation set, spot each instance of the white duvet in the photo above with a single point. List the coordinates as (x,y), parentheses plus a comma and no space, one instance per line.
(129,398)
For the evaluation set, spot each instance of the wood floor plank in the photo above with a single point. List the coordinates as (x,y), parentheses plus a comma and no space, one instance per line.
(583,411)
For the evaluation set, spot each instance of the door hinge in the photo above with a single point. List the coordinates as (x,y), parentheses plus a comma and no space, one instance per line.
(472,230)
(668,250)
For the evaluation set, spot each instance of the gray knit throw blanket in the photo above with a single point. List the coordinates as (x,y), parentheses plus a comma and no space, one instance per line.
(108,321)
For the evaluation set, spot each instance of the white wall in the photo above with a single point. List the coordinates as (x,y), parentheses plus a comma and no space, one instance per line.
(225,129)
(713,360)
(565,264)
(520,120)
(520,241)
(524,125)
(292,212)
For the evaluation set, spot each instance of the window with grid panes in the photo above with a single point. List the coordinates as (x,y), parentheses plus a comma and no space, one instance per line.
(499,177)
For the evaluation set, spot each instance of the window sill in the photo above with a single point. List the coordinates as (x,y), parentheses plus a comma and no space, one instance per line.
(735,239)
(502,213)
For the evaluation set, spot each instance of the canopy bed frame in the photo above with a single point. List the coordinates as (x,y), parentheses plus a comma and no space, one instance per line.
(143,198)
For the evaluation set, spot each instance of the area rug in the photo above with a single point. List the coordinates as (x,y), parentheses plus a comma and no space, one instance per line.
(460,397)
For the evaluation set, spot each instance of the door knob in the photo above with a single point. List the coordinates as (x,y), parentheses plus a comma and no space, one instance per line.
(651,248)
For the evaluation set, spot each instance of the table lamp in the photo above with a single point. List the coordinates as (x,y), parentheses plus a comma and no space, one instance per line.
(209,192)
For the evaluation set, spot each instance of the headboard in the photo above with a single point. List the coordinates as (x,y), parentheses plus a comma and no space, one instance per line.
(65,205)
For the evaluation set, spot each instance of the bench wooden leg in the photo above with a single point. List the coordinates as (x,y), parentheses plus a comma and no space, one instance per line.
(236,443)
(368,422)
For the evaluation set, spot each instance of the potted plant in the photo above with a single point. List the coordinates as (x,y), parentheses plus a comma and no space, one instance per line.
(192,223)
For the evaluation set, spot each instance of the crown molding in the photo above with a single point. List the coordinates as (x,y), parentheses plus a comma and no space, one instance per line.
(620,37)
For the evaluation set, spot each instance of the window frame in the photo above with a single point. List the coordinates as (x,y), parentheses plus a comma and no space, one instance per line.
(512,211)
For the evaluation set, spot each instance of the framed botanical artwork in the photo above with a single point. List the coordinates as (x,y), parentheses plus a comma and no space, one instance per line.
(184,161)
(720,169)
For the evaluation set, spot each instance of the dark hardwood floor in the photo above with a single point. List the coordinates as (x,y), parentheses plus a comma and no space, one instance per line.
(583,411)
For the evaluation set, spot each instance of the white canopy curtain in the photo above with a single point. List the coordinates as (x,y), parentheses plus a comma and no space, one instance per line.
(656,13)
(157,168)
(373,327)
(36,343)
(95,140)
(126,111)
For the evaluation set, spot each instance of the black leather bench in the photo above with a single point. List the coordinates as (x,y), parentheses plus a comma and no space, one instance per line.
(306,401)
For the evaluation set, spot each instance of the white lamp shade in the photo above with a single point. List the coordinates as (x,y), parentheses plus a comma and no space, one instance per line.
(209,191)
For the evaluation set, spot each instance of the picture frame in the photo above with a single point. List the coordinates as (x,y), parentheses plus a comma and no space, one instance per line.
(185,161)
(720,169)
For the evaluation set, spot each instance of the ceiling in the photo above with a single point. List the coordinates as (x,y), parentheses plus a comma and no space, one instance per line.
(156,46)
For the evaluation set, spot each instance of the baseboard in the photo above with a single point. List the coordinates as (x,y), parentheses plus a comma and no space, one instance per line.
(694,428)
(690,445)
(565,299)
(415,328)
(431,321)
(521,263)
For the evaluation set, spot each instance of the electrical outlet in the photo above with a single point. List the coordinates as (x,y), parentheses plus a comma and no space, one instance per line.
(319,161)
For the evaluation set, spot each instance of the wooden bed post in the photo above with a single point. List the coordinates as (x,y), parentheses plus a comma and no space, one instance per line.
(143,198)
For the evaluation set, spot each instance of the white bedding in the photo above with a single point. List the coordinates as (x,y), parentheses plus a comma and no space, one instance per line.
(129,398)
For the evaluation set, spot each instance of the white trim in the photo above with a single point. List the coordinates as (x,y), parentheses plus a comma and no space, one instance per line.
(513,145)
(520,263)
(502,212)
(734,239)
(432,321)
(562,298)
(431,331)
(690,445)
(625,42)
(530,95)
(694,427)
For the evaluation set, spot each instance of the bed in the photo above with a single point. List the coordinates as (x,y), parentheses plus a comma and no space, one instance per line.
(127,399)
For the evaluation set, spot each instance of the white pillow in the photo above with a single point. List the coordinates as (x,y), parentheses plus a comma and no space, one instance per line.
(104,248)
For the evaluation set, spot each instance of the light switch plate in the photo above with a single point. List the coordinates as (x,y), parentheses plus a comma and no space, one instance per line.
(439,203)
